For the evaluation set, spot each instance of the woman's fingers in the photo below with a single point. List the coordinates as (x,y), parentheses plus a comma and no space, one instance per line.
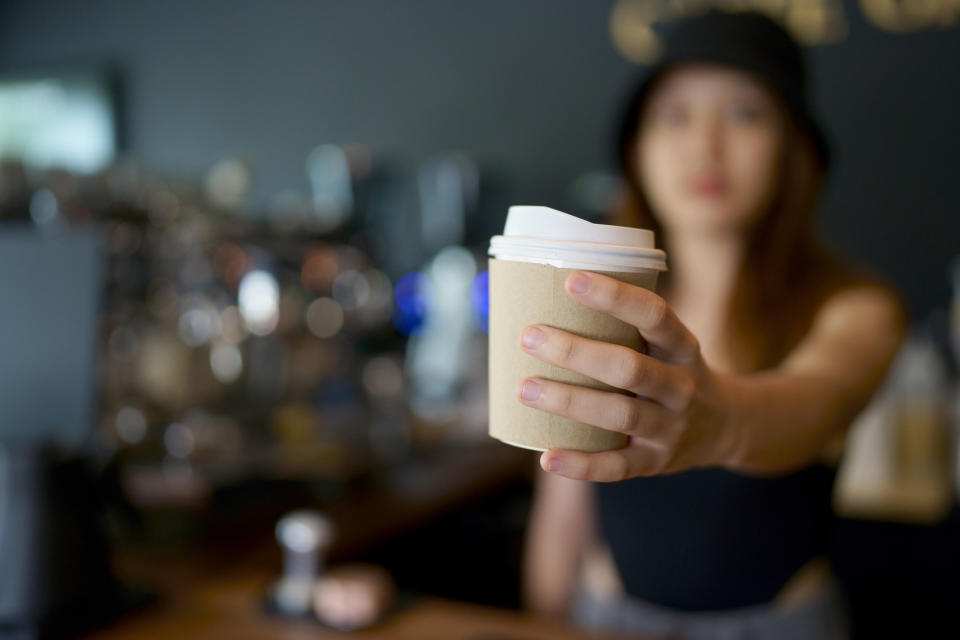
(667,337)
(639,458)
(613,411)
(615,365)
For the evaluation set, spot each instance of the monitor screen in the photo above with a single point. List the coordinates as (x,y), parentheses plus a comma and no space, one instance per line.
(64,120)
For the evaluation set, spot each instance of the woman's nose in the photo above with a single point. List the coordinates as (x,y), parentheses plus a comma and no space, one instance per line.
(707,139)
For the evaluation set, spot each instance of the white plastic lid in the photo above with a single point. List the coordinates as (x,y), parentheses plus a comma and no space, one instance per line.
(547,236)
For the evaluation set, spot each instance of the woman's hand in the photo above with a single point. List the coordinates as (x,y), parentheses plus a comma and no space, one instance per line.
(677,418)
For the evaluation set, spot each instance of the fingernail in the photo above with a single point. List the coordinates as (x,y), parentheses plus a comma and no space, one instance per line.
(531,338)
(579,283)
(530,390)
(555,464)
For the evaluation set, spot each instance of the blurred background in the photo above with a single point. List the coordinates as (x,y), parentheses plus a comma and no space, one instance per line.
(244,273)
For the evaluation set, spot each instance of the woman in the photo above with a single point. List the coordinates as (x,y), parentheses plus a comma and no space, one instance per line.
(762,347)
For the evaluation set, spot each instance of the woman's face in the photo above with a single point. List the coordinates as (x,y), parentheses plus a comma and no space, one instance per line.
(708,150)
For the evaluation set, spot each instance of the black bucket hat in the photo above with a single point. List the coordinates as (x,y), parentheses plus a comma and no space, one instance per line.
(749,41)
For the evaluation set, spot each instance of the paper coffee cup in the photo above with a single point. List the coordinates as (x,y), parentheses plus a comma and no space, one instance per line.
(529,265)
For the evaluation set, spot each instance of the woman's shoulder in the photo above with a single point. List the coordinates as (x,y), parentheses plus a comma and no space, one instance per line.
(838,299)
(846,288)
(869,308)
(851,305)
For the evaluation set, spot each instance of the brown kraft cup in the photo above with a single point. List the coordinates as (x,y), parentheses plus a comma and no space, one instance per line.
(524,292)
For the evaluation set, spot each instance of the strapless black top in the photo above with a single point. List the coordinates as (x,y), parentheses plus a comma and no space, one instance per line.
(711,539)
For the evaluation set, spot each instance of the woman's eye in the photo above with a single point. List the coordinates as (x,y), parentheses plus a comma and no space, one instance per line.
(744,114)
(673,116)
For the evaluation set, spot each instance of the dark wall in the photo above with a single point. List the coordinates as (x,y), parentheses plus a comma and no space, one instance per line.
(892,105)
(528,88)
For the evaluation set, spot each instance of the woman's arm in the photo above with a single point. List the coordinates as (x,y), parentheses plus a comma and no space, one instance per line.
(683,415)
(559,530)
(785,417)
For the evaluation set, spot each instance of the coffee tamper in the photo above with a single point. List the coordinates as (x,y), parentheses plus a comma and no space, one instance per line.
(304,536)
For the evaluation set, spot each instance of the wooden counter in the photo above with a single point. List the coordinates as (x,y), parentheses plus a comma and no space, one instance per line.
(217,589)
(230,607)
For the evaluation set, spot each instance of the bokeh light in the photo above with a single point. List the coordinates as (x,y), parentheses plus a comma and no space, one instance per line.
(382,377)
(229,263)
(351,289)
(328,170)
(44,210)
(480,301)
(412,296)
(324,317)
(179,440)
(227,183)
(452,268)
(130,425)
(226,362)
(232,327)
(259,299)
(319,270)
(199,320)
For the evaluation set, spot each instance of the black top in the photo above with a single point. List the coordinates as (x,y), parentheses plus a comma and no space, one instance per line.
(711,539)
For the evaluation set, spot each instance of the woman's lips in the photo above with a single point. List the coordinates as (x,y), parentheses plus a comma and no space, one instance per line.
(708,187)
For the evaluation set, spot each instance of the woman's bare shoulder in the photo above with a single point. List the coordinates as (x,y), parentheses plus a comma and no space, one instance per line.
(840,287)
(854,317)
(853,293)
(865,302)
(861,322)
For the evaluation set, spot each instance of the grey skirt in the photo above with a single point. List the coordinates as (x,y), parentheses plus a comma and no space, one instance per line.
(824,617)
